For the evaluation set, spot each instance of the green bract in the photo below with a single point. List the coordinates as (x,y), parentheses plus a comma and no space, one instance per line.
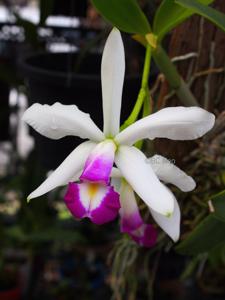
(124,14)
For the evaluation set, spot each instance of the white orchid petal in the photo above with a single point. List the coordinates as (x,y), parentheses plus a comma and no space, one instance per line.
(58,120)
(129,213)
(115,173)
(116,179)
(171,225)
(135,169)
(116,183)
(169,173)
(66,171)
(112,76)
(76,177)
(175,123)
(129,207)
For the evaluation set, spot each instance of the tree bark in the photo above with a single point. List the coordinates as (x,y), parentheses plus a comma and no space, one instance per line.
(203,71)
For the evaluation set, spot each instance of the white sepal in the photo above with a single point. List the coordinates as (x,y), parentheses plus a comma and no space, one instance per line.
(171,224)
(58,120)
(112,76)
(175,123)
(66,171)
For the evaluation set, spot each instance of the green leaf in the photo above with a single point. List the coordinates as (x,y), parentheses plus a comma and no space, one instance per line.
(217,256)
(209,13)
(169,15)
(46,8)
(207,235)
(218,203)
(126,15)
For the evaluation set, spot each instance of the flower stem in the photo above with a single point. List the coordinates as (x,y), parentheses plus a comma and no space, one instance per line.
(176,82)
(143,91)
(147,110)
(147,65)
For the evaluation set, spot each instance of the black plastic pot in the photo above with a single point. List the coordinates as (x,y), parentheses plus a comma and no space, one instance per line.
(70,8)
(49,80)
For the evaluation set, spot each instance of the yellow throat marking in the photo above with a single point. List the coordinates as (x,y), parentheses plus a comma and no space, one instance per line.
(92,190)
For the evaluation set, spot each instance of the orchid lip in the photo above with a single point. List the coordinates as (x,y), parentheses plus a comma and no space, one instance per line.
(97,202)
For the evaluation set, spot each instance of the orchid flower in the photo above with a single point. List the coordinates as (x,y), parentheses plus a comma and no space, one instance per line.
(92,161)
(131,221)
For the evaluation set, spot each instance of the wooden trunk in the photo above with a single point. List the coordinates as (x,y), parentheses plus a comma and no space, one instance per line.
(203,71)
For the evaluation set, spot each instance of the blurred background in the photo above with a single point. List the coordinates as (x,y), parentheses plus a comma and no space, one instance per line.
(50,50)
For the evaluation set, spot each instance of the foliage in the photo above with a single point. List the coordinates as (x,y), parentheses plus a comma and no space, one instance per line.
(206,236)
(116,12)
(127,16)
(209,13)
(169,15)
(210,233)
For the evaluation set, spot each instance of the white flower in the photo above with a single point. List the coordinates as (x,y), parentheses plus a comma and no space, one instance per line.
(92,161)
(167,172)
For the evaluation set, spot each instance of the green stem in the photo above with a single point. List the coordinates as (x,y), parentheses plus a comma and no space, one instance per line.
(136,110)
(147,65)
(143,91)
(147,104)
(146,112)
(176,82)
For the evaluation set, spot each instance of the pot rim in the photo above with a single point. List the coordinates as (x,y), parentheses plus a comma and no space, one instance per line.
(30,70)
